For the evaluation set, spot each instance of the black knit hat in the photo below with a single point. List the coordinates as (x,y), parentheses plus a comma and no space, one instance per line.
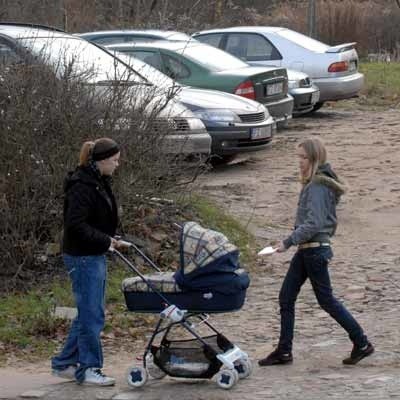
(104,148)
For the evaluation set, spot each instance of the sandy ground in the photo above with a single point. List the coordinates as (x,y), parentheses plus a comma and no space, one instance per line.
(262,192)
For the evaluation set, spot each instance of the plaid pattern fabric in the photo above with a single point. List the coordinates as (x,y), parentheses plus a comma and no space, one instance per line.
(201,246)
(163,282)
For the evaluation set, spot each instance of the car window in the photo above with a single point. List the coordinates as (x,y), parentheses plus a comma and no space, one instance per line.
(108,39)
(149,57)
(80,59)
(174,68)
(8,56)
(251,47)
(121,39)
(152,74)
(213,39)
(211,58)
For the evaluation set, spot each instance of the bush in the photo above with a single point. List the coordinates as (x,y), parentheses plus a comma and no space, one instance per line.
(44,120)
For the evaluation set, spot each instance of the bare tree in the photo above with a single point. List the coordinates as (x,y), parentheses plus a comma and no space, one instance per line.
(312,18)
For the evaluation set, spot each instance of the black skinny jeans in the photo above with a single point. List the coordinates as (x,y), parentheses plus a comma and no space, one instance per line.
(313,263)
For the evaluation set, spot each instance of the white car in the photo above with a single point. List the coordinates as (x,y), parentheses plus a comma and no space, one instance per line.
(334,69)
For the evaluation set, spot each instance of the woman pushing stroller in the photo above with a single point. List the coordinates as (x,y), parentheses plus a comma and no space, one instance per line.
(315,224)
(90,222)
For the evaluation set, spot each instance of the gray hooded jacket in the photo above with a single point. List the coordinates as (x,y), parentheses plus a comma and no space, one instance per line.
(316,212)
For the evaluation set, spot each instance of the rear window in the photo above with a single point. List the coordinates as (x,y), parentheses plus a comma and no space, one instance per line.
(213,39)
(303,40)
(211,58)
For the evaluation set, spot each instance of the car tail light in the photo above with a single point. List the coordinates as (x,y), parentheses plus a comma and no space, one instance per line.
(340,66)
(246,89)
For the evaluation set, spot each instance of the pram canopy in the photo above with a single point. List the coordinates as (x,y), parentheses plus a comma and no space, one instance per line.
(209,261)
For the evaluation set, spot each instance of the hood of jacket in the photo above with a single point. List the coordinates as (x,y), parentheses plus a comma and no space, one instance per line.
(326,176)
(81,174)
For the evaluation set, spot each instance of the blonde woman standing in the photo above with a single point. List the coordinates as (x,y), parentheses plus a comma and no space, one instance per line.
(315,225)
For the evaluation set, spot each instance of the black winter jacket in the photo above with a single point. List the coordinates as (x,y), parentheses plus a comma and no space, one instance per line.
(90,213)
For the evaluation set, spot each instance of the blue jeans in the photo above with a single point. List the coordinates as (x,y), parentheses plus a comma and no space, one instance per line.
(313,263)
(83,346)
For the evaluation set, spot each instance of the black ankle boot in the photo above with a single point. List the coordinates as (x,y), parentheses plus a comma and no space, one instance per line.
(358,353)
(277,357)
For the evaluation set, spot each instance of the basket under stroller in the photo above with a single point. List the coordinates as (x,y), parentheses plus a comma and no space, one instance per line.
(209,280)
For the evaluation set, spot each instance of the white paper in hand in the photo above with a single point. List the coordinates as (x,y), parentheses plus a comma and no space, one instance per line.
(267,250)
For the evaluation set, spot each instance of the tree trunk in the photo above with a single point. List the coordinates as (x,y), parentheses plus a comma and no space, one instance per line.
(312,18)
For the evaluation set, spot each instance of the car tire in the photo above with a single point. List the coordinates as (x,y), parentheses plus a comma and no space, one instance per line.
(216,160)
(317,106)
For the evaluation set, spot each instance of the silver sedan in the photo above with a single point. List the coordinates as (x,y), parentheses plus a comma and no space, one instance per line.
(334,69)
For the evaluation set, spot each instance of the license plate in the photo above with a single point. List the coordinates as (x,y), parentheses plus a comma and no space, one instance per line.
(261,132)
(274,88)
(315,97)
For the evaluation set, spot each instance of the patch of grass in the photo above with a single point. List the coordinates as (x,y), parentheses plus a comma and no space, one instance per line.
(382,83)
(214,218)
(26,322)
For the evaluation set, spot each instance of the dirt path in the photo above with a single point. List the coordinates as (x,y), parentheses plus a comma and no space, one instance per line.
(262,192)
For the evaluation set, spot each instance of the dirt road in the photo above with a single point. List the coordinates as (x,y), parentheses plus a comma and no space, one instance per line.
(262,192)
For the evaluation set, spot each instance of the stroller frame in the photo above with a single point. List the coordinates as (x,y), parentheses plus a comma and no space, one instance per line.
(226,361)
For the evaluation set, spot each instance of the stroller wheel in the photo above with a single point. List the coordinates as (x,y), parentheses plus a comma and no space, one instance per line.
(227,378)
(137,376)
(243,368)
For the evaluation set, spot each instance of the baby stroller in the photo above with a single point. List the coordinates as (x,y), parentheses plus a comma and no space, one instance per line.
(209,280)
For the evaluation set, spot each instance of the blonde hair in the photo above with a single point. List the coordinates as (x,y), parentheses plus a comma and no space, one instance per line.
(316,154)
(86,151)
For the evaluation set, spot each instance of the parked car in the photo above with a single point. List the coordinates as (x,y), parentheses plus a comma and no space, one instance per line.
(199,65)
(334,69)
(132,35)
(236,124)
(300,87)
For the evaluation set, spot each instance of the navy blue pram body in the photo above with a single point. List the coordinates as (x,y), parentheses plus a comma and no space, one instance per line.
(209,279)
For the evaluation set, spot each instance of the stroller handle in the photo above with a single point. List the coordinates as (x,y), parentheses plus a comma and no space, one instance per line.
(139,252)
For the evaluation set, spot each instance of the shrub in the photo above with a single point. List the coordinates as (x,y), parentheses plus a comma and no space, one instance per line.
(45,117)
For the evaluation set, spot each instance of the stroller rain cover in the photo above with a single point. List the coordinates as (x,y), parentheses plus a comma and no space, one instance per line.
(208,261)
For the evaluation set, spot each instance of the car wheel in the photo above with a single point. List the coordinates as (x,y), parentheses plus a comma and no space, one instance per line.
(216,160)
(317,106)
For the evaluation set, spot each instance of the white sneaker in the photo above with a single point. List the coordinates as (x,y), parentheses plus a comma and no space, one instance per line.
(67,373)
(94,376)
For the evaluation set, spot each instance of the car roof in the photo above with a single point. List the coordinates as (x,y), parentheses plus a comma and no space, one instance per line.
(155,32)
(270,29)
(159,44)
(16,30)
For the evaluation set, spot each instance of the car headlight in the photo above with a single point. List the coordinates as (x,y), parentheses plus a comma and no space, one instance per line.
(185,124)
(195,123)
(217,115)
(293,84)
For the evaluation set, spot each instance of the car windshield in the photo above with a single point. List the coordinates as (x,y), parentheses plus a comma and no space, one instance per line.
(212,58)
(303,40)
(81,59)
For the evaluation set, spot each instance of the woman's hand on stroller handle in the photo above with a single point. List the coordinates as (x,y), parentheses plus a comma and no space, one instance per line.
(118,244)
